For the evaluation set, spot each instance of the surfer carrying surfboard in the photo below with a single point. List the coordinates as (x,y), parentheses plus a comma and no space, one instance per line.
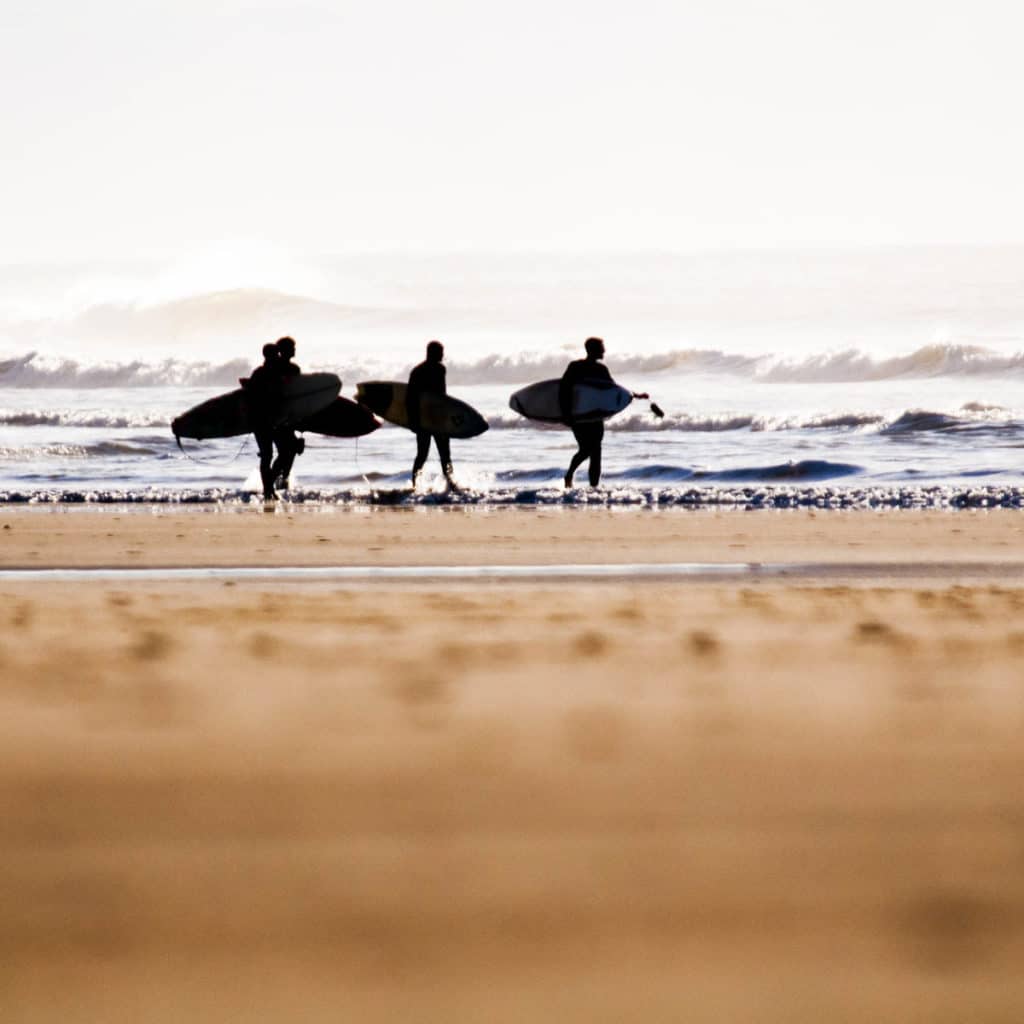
(265,390)
(288,445)
(589,433)
(428,378)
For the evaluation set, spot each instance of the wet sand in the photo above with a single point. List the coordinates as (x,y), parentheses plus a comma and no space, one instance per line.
(504,801)
(42,536)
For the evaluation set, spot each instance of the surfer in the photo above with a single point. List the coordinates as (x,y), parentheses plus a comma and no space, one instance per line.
(288,445)
(428,378)
(588,434)
(265,390)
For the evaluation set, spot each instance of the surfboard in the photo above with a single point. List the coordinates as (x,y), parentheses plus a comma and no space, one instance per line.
(342,418)
(589,401)
(227,415)
(440,414)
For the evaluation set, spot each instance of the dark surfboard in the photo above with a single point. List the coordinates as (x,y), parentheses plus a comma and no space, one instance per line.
(439,414)
(342,418)
(228,415)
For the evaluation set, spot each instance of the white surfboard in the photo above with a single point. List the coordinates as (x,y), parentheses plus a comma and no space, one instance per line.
(590,402)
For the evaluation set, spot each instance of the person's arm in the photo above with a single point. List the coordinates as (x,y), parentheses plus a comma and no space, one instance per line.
(565,386)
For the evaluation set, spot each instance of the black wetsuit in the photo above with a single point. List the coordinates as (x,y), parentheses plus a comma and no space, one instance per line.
(265,390)
(427,379)
(588,435)
(288,445)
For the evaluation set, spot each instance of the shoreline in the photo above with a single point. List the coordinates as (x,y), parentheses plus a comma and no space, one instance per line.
(688,495)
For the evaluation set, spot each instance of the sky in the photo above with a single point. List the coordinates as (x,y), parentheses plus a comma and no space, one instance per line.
(140,128)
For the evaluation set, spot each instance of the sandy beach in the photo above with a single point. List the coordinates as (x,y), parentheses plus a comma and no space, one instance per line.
(781,798)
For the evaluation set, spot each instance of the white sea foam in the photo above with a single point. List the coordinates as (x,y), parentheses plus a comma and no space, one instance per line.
(37,370)
(90,418)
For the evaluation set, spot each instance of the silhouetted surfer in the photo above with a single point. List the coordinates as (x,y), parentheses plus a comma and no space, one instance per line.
(288,445)
(428,378)
(265,390)
(589,434)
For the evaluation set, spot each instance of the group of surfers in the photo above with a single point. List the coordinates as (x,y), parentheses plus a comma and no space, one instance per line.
(264,387)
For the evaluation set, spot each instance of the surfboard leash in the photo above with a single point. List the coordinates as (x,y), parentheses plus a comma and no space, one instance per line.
(210,462)
(359,469)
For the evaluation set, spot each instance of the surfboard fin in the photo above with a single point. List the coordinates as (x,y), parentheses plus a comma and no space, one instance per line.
(656,409)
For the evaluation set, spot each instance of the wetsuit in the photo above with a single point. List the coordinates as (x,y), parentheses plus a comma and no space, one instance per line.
(263,391)
(590,434)
(288,445)
(427,379)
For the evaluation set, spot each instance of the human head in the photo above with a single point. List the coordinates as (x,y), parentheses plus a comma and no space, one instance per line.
(594,347)
(285,347)
(269,352)
(435,352)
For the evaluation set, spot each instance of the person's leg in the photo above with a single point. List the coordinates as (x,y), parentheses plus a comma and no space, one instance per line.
(444,453)
(265,444)
(422,450)
(597,436)
(579,431)
(287,448)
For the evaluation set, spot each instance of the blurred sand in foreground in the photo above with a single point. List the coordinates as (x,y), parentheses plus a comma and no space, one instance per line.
(512,802)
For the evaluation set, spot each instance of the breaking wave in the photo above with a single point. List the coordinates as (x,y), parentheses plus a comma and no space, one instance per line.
(81,418)
(33,370)
(972,417)
(105,449)
(852,365)
(848,366)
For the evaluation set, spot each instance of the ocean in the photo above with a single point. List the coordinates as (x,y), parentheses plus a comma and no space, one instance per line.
(823,377)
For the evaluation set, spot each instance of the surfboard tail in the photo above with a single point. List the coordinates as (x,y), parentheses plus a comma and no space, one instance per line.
(376,395)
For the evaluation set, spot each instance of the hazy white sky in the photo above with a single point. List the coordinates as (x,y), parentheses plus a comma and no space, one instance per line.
(136,126)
